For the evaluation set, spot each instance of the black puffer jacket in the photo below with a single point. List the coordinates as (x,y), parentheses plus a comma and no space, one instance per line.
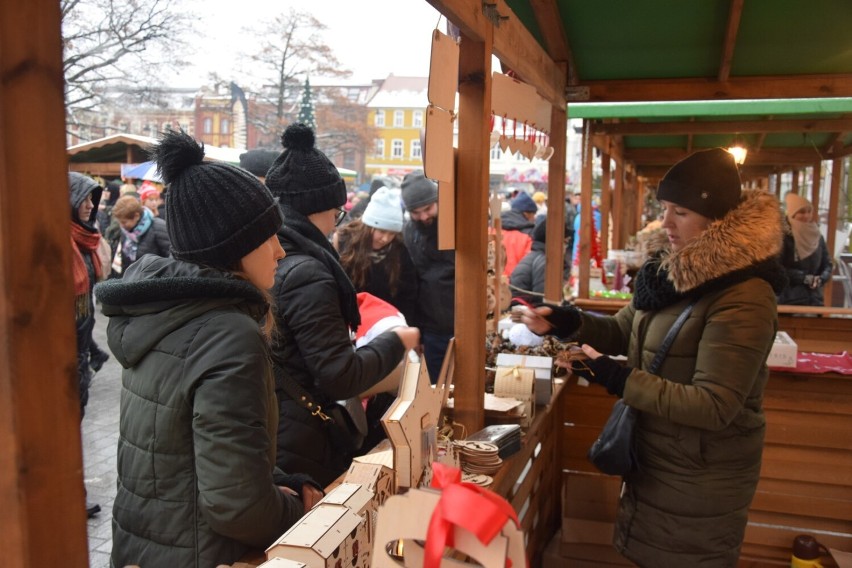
(198,418)
(436,270)
(314,349)
(817,263)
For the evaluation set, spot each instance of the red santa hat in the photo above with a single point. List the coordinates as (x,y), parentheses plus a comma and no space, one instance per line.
(377,317)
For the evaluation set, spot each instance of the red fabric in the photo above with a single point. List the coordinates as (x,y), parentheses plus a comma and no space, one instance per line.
(464,505)
(373,310)
(83,242)
(815,363)
(517,245)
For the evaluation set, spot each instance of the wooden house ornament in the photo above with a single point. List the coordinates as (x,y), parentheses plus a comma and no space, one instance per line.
(336,533)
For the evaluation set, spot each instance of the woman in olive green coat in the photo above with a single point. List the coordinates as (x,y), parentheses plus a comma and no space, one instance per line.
(701,426)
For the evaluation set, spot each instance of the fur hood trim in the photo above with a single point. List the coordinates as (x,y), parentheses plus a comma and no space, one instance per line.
(747,235)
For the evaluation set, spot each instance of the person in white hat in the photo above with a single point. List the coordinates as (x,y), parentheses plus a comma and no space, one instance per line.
(805,255)
(374,256)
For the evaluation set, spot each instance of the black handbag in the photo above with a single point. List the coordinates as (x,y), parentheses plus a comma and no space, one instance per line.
(345,421)
(614,452)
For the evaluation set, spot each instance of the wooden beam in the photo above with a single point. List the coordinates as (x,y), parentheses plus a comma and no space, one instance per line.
(513,45)
(833,208)
(586,218)
(42,518)
(755,87)
(722,127)
(816,180)
(606,202)
(766,157)
(471,229)
(549,21)
(555,245)
(618,236)
(734,16)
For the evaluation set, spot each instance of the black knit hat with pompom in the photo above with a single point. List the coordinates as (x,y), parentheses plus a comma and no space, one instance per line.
(217,213)
(302,177)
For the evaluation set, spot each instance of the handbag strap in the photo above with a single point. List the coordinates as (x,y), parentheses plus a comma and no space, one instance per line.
(301,396)
(670,337)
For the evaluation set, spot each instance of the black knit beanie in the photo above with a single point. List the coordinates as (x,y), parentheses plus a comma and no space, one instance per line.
(217,213)
(258,161)
(706,182)
(418,190)
(302,177)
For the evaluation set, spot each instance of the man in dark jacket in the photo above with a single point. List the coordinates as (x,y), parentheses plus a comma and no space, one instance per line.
(436,269)
(316,311)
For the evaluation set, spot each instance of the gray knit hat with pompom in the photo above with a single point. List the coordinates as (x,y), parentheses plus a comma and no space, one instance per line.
(216,213)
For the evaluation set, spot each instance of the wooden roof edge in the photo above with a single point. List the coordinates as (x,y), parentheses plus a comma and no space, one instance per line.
(131,139)
(734,16)
(514,45)
(695,89)
(663,128)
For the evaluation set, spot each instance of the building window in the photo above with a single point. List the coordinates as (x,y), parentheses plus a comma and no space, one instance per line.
(380,118)
(225,126)
(166,126)
(415,149)
(397,149)
(495,152)
(417,119)
(380,148)
(208,126)
(398,118)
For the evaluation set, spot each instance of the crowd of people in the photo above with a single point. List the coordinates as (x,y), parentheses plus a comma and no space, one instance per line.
(233,304)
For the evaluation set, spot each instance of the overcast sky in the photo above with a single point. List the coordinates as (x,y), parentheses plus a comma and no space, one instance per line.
(373,38)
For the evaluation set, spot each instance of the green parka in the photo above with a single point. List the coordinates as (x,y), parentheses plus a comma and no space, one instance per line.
(198,420)
(700,434)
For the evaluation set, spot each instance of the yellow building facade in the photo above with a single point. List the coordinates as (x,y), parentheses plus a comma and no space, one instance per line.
(398,113)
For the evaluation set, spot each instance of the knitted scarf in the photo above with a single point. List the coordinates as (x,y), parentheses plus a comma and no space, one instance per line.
(806,236)
(131,240)
(301,232)
(84,240)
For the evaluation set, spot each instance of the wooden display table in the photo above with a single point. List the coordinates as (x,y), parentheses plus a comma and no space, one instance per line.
(530,480)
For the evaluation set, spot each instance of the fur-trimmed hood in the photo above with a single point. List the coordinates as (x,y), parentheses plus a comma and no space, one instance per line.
(749,234)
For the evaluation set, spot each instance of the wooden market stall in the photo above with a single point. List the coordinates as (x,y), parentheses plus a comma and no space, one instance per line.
(568,52)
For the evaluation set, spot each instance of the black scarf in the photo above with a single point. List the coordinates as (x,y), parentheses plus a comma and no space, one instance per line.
(653,289)
(308,239)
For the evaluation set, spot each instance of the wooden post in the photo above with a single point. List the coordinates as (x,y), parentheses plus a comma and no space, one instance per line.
(555,247)
(42,518)
(606,201)
(794,184)
(641,188)
(471,229)
(618,239)
(831,233)
(586,217)
(816,182)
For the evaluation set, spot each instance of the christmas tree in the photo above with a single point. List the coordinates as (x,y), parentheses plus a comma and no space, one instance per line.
(306,109)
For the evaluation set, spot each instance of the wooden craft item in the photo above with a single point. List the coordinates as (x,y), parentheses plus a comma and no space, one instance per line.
(376,477)
(278,562)
(443,71)
(406,517)
(516,100)
(518,383)
(411,422)
(326,535)
(438,152)
(446,215)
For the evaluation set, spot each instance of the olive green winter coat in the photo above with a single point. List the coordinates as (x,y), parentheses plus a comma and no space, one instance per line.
(198,419)
(700,434)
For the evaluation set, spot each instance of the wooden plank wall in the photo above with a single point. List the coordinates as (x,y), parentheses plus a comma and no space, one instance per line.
(806,478)
(531,479)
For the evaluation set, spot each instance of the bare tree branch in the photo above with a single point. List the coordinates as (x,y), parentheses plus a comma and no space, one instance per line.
(107,42)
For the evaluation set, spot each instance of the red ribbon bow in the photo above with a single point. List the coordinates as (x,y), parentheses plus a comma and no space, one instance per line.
(465,505)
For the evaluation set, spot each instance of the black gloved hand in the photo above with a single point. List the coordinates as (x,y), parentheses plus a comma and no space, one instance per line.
(603,371)
(295,481)
(565,320)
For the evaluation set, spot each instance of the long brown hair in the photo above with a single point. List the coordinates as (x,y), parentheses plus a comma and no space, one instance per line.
(356,240)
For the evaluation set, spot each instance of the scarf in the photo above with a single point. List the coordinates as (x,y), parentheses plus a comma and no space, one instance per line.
(309,240)
(131,238)
(84,240)
(806,236)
